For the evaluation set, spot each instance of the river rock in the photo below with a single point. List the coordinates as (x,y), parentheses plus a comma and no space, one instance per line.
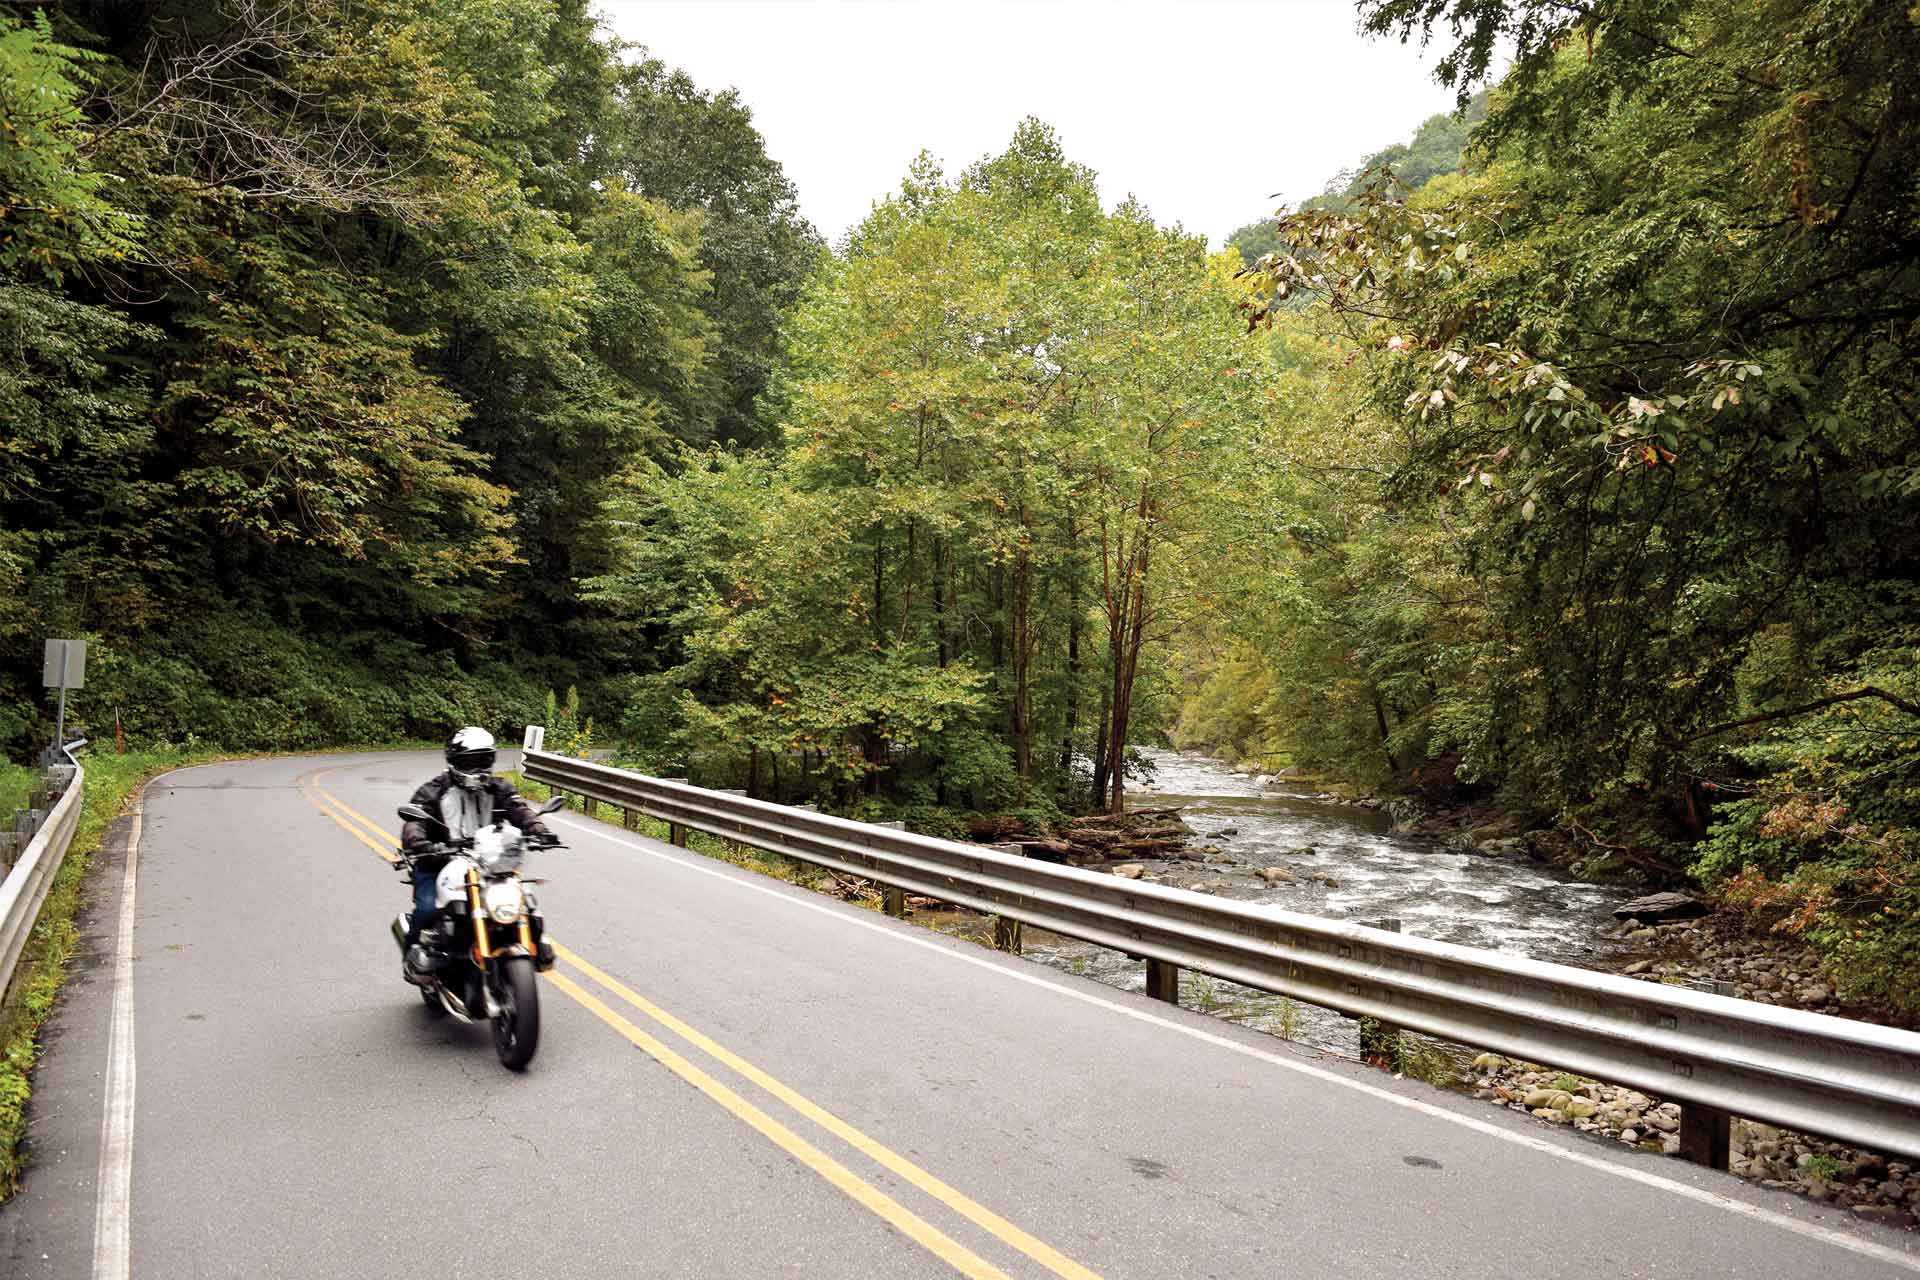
(1224,832)
(1555,1098)
(1657,907)
(1129,870)
(1508,847)
(1304,851)
(1629,1135)
(1638,966)
(1406,813)
(1275,875)
(1579,1108)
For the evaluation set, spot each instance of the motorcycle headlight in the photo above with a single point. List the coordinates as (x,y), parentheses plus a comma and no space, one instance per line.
(503,902)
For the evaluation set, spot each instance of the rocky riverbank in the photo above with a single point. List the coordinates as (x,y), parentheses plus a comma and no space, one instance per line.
(1870,1185)
(1715,950)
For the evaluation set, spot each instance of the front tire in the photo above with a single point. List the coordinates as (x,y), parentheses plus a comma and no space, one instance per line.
(516,1032)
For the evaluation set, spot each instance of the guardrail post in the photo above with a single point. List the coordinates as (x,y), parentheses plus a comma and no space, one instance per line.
(1706,1135)
(1381,1039)
(893,900)
(1163,980)
(676,833)
(630,819)
(1006,937)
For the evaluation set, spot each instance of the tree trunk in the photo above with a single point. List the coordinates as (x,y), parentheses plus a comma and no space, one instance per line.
(939,602)
(1127,633)
(753,772)
(1386,741)
(879,586)
(1100,743)
(1073,685)
(1023,666)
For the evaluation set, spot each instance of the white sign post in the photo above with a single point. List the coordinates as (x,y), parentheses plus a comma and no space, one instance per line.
(66,668)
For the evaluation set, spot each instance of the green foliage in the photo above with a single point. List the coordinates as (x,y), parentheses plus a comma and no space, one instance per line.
(1011,418)
(55,216)
(1610,499)
(353,317)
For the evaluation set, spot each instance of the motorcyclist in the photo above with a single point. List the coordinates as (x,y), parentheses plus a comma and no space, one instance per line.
(465,798)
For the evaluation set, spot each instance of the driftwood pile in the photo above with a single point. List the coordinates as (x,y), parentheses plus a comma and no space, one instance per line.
(1097,838)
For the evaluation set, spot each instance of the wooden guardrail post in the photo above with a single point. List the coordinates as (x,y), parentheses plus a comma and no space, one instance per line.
(1381,1039)
(676,833)
(1706,1136)
(1163,980)
(893,899)
(1706,1133)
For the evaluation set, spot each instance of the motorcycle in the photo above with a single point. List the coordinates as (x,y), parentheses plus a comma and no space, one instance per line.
(487,933)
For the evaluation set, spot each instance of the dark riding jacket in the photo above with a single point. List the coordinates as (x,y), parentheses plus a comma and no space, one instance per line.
(441,797)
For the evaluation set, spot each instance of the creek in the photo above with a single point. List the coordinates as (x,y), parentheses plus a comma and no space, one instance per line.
(1347,865)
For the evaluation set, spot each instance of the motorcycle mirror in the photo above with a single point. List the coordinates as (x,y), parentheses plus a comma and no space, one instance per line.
(414,813)
(553,803)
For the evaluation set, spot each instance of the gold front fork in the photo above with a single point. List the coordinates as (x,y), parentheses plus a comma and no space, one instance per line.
(482,950)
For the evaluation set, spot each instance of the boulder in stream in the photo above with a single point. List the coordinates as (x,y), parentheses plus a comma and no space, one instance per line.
(1661,906)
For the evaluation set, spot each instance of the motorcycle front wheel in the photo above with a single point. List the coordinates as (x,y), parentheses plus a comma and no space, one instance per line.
(516,1032)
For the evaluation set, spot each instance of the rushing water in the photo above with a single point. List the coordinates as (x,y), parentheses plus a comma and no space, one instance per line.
(1494,903)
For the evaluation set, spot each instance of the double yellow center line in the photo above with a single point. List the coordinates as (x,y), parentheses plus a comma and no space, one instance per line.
(860,1191)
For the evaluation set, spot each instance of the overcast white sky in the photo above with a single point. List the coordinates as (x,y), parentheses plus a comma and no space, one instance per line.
(1201,108)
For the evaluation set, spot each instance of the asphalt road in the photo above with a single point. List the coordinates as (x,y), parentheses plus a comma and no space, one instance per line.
(740,1078)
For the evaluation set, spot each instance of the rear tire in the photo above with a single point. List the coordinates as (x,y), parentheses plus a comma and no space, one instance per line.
(516,1032)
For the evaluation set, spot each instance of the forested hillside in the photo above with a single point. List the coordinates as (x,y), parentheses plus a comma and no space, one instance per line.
(329,330)
(1438,147)
(372,368)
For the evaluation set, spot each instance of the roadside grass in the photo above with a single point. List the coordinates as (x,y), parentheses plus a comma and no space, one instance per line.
(15,783)
(112,782)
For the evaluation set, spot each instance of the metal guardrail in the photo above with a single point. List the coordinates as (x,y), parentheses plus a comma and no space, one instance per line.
(1716,1055)
(25,888)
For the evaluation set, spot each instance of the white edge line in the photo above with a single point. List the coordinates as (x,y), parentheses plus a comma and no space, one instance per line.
(113,1203)
(1825,1235)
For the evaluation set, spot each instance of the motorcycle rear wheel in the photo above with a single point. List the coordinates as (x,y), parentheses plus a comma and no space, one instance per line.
(516,1032)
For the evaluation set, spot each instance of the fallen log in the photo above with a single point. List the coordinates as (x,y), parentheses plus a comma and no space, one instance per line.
(1145,848)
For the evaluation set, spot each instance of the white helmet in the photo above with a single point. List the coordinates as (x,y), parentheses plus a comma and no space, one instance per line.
(470,756)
